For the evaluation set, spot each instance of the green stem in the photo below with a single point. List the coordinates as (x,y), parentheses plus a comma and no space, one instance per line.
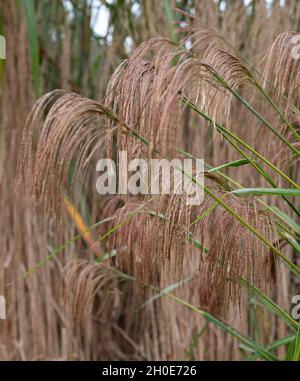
(226,132)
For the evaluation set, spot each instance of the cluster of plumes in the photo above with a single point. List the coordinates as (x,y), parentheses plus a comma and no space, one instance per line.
(85,281)
(229,69)
(234,252)
(281,74)
(280,78)
(218,62)
(144,113)
(144,93)
(62,133)
(143,238)
(147,91)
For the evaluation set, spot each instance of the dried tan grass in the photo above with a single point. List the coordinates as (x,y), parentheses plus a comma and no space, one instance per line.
(144,92)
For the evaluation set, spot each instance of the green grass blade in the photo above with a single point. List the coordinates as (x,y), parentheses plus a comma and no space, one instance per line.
(227,133)
(33,42)
(166,290)
(296,352)
(60,248)
(277,109)
(195,341)
(290,349)
(254,111)
(272,306)
(267,191)
(170,19)
(295,244)
(275,345)
(265,354)
(286,260)
(236,163)
(287,219)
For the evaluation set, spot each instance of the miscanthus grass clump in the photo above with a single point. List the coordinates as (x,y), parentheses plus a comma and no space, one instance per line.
(163,102)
